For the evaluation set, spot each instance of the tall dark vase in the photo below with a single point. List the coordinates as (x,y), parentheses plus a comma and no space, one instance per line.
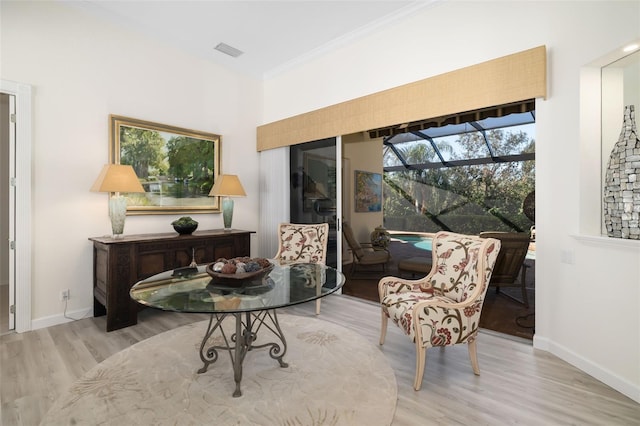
(622,182)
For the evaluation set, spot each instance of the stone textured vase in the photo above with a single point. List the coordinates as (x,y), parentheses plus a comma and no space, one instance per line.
(622,182)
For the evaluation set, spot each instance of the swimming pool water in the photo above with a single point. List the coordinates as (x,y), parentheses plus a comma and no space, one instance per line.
(423,242)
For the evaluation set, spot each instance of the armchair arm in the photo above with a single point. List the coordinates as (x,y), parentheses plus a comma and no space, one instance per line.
(391,285)
(441,321)
(371,247)
(439,301)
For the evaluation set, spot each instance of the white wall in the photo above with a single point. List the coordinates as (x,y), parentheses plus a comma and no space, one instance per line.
(363,156)
(587,311)
(81,71)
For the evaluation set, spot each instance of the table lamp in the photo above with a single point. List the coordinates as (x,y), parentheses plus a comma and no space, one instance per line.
(227,186)
(117,178)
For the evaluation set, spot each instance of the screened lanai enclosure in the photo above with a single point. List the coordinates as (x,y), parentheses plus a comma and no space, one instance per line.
(465,173)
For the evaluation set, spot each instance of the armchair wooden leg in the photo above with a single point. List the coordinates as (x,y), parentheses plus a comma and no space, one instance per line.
(473,356)
(421,355)
(383,328)
(318,307)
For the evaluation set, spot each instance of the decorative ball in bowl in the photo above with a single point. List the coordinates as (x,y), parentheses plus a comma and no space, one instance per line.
(185,225)
(239,270)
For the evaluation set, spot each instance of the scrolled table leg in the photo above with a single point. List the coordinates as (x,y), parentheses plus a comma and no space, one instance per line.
(242,341)
(210,355)
(244,338)
(276,351)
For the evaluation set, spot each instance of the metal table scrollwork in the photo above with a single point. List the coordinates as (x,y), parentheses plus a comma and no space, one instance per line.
(252,303)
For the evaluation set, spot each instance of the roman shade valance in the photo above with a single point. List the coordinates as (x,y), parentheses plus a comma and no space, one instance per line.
(502,81)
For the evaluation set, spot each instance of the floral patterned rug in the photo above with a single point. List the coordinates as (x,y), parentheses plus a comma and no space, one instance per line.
(334,377)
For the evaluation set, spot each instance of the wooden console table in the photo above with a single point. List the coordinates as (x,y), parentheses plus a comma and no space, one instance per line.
(119,263)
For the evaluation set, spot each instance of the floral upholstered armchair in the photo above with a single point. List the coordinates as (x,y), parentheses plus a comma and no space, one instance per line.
(443,308)
(302,243)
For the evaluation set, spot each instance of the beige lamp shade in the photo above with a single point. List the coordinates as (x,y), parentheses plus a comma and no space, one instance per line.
(117,178)
(227,186)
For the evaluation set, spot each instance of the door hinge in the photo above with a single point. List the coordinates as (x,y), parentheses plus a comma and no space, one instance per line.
(12,309)
(12,245)
(12,181)
(12,118)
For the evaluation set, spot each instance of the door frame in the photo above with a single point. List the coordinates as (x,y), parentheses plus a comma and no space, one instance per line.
(21,230)
(339,199)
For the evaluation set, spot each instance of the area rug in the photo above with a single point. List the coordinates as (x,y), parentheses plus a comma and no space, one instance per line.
(334,377)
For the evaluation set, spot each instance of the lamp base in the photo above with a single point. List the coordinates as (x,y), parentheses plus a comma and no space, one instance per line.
(227,212)
(118,214)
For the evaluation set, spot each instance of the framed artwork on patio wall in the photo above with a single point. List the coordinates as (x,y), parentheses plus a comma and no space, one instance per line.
(368,191)
(177,167)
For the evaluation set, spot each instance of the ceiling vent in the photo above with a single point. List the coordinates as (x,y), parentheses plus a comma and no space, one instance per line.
(228,50)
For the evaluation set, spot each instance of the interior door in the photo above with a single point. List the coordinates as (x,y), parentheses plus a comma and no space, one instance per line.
(7,216)
(315,195)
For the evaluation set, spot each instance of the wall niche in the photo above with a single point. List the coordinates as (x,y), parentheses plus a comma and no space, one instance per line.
(621,147)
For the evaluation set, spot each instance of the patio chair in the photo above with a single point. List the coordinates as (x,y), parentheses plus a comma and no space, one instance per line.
(510,264)
(367,256)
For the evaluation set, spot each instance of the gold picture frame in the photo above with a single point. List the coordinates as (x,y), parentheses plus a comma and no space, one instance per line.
(177,167)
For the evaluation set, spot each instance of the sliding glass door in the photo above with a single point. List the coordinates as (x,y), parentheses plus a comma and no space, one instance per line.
(314,190)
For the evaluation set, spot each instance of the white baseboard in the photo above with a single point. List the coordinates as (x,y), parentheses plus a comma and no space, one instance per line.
(541,343)
(57,319)
(607,377)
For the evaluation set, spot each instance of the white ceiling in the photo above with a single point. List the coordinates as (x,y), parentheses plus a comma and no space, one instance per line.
(274,35)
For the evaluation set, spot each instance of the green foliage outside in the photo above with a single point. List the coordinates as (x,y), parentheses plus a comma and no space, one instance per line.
(465,199)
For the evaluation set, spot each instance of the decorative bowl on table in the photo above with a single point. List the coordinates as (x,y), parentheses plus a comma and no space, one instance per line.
(239,271)
(185,225)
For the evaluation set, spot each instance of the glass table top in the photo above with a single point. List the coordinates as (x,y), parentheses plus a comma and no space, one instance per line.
(194,290)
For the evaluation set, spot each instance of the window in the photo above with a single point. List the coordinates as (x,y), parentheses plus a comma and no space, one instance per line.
(468,177)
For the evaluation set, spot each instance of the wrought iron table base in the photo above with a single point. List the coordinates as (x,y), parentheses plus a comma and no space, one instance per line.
(242,341)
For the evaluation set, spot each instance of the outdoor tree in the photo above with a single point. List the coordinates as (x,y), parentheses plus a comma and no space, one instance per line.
(418,191)
(467,198)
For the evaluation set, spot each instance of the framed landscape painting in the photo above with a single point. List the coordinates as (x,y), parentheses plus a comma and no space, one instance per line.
(176,167)
(368,191)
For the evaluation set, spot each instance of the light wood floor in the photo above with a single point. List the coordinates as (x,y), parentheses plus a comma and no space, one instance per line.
(517,385)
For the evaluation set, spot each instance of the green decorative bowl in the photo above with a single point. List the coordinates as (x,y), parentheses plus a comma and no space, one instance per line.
(185,229)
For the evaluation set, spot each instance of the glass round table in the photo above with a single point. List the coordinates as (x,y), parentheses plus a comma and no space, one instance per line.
(252,302)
